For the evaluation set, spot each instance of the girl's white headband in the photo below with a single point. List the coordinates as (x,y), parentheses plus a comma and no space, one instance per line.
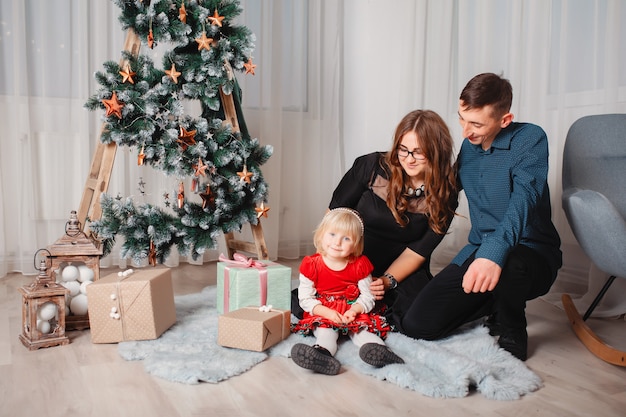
(353,212)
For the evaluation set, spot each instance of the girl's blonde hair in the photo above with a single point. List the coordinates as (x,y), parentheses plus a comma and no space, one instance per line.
(343,220)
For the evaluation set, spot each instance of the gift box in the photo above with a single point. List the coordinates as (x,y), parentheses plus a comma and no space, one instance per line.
(250,328)
(244,282)
(131,306)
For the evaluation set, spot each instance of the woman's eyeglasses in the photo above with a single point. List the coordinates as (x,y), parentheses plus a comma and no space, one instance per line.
(416,154)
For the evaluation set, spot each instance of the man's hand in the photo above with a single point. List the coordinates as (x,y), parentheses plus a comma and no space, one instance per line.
(377,287)
(481,276)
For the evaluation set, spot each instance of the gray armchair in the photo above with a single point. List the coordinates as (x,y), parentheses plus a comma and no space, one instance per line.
(594,201)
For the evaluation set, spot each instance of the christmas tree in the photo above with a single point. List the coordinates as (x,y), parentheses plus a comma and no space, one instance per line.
(144,111)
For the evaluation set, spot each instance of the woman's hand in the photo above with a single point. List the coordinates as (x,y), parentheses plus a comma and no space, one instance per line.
(377,287)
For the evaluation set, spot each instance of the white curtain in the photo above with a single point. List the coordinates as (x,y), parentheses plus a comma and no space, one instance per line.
(332,81)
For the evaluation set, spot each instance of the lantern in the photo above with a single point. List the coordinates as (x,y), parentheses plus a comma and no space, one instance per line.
(76,258)
(43,312)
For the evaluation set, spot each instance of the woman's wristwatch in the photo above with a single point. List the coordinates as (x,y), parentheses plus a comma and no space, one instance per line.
(393,282)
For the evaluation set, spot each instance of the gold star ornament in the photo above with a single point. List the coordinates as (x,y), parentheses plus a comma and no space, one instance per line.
(186,138)
(245,175)
(173,74)
(216,19)
(113,106)
(249,66)
(208,199)
(201,168)
(204,42)
(127,74)
(261,211)
(182,13)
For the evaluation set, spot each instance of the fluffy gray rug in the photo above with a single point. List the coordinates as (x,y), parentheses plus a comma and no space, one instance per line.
(188,353)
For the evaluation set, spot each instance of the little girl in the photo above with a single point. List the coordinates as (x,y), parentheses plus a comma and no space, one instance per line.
(334,293)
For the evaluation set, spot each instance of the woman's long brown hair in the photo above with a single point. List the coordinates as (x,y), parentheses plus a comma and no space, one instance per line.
(436,145)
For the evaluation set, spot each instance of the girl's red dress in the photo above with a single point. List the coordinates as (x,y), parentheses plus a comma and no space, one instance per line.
(338,290)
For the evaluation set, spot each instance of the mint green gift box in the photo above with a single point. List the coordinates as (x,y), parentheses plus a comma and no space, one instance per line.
(243,282)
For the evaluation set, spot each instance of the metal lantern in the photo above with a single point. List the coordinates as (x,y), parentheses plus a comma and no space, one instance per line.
(43,312)
(76,257)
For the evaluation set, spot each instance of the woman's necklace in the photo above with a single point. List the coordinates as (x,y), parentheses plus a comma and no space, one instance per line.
(417,192)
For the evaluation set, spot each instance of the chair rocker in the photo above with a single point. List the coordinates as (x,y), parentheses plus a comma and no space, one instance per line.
(594,201)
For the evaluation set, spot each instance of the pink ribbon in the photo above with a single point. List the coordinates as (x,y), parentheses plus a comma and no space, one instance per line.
(240,261)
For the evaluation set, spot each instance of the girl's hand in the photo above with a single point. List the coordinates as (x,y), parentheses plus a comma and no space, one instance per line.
(377,287)
(328,313)
(349,316)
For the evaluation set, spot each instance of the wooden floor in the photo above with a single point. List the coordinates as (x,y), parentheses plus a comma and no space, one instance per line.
(83,379)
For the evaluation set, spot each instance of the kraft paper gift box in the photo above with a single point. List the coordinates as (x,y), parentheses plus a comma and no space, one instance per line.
(250,328)
(138,306)
(244,282)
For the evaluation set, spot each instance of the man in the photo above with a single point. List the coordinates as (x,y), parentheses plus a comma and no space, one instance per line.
(513,251)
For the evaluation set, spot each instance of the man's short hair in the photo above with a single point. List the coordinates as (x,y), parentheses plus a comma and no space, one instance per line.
(488,89)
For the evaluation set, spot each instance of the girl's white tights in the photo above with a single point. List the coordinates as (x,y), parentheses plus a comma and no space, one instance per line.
(327,338)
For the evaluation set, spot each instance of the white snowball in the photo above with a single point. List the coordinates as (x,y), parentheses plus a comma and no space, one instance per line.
(43,326)
(73,286)
(85,273)
(70,273)
(79,305)
(83,287)
(47,311)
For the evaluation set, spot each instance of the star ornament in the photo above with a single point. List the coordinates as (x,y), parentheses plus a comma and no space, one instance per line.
(186,138)
(261,211)
(245,175)
(127,75)
(113,106)
(216,19)
(182,13)
(201,168)
(204,42)
(173,74)
(249,66)
(208,198)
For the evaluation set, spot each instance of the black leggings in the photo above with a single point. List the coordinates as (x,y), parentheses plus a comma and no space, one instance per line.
(442,305)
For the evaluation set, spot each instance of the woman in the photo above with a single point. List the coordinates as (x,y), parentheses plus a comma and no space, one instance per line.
(407,198)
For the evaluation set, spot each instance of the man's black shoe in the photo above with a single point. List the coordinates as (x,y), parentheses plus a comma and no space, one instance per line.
(515,342)
(492,323)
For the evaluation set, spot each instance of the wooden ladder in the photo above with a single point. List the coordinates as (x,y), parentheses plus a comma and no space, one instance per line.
(102,166)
